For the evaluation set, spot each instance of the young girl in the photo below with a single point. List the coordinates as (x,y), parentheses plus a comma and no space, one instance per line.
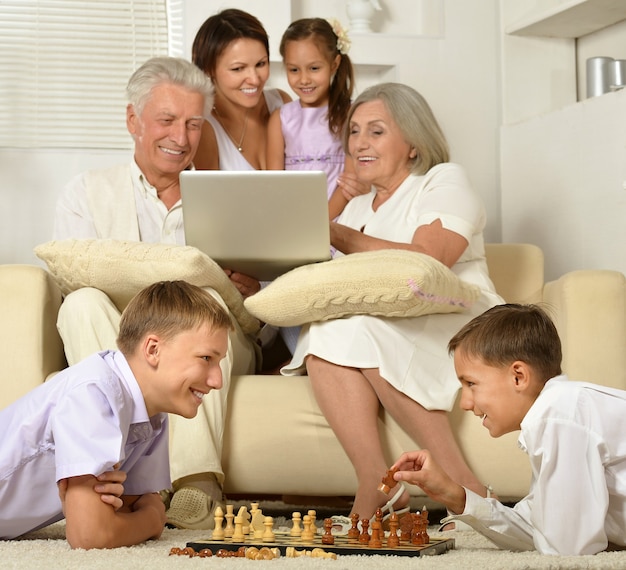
(305,134)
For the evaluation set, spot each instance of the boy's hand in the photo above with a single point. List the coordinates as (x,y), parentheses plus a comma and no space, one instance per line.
(110,488)
(419,468)
(155,502)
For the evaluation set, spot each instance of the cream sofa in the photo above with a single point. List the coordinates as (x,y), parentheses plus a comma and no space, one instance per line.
(277,440)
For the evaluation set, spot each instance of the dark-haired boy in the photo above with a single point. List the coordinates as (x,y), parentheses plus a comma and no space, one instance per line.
(509,363)
(91,444)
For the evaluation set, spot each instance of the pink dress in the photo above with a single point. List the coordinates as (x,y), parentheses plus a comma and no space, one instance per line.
(309,144)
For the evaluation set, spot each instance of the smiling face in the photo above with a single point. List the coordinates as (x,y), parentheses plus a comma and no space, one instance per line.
(167,132)
(309,72)
(501,396)
(241,72)
(377,146)
(185,368)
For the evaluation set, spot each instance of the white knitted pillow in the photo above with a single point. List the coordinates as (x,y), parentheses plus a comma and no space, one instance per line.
(391,283)
(122,268)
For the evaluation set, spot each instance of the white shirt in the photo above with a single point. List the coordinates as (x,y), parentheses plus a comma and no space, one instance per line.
(83,421)
(75,220)
(575,438)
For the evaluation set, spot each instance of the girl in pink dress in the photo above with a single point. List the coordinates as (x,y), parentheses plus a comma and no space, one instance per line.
(306,134)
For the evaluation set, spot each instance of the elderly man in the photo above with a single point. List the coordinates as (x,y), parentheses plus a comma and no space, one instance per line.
(168,100)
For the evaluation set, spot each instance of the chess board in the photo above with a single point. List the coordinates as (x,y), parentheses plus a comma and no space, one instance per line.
(342,546)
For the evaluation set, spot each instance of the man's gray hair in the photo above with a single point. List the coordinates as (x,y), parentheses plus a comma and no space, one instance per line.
(166,69)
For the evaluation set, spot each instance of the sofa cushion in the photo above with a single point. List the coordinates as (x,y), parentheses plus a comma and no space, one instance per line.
(392,283)
(122,268)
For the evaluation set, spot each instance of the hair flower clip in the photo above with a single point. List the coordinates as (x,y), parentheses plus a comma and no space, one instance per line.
(343,41)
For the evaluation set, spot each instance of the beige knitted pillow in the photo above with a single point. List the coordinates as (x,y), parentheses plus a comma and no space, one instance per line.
(122,268)
(391,283)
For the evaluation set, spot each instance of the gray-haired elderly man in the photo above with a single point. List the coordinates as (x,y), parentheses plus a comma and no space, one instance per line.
(168,99)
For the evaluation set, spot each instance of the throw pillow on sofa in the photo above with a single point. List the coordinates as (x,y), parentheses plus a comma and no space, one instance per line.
(391,283)
(122,268)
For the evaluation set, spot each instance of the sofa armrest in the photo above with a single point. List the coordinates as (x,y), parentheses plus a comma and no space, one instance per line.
(589,310)
(30,346)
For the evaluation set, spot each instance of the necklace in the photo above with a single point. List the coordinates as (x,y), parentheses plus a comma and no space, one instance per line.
(243,131)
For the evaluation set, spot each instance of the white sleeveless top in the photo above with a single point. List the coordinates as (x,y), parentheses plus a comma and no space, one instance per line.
(230,158)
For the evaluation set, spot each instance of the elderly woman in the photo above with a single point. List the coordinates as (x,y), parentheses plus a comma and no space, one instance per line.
(420,202)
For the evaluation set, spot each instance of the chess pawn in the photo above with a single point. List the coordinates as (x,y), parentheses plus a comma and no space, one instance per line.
(327,537)
(308,533)
(353,533)
(364,537)
(230,515)
(296,529)
(218,531)
(268,535)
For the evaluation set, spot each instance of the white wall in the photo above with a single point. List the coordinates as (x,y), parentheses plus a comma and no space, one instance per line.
(447,49)
(563,161)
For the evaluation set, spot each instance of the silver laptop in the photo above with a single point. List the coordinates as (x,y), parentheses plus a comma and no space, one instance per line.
(260,223)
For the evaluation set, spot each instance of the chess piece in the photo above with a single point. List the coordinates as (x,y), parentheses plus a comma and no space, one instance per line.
(364,537)
(416,532)
(388,482)
(218,531)
(268,535)
(307,533)
(238,535)
(245,519)
(393,540)
(230,515)
(377,532)
(327,537)
(257,528)
(353,533)
(406,527)
(296,529)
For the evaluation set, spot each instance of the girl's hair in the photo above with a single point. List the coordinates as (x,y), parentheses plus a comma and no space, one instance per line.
(168,308)
(510,332)
(219,31)
(165,69)
(342,84)
(414,118)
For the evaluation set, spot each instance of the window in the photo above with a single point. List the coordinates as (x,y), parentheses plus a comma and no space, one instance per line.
(64,65)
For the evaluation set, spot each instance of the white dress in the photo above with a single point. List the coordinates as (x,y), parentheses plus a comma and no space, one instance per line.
(411,353)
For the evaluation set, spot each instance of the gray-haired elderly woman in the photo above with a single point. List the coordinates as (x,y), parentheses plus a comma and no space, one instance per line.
(421,202)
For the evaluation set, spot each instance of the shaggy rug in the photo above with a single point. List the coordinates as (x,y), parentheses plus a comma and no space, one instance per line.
(47,549)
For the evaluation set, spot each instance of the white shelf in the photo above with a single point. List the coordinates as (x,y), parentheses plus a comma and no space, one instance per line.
(571,19)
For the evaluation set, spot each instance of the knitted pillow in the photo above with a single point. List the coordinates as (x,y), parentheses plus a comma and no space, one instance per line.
(122,268)
(391,283)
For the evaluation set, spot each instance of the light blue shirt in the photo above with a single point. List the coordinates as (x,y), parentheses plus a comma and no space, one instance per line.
(85,420)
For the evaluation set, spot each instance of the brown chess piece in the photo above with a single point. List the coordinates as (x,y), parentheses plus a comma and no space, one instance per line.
(416,532)
(393,540)
(327,537)
(364,537)
(406,527)
(388,482)
(376,540)
(353,533)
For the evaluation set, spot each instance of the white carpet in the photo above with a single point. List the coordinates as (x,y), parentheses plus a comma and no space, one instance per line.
(48,549)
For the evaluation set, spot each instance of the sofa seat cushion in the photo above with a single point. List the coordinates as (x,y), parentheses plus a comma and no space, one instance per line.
(392,283)
(122,268)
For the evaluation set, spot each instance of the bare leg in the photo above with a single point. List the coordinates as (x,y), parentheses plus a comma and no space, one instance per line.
(350,406)
(430,429)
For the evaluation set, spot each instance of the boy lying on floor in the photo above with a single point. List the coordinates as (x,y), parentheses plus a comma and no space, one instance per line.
(509,363)
(107,416)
